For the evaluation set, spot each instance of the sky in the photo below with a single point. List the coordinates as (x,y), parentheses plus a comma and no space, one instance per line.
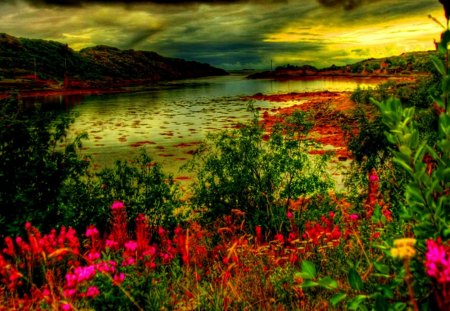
(236,34)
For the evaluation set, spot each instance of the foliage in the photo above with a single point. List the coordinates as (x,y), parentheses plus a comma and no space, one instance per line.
(140,183)
(424,159)
(370,146)
(238,169)
(427,193)
(32,170)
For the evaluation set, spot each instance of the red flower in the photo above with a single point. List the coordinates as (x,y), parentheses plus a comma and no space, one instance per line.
(279,237)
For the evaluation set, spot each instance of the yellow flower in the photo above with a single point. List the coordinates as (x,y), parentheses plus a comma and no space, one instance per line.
(404,242)
(403,248)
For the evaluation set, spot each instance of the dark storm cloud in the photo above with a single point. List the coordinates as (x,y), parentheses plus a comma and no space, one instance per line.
(244,52)
(139,36)
(127,2)
(346,4)
(230,34)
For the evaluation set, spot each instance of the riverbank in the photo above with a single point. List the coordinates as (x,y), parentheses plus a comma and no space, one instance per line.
(52,92)
(328,111)
(294,75)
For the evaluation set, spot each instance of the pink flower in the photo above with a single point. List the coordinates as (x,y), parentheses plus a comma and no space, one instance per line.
(374,177)
(93,255)
(92,292)
(354,217)
(111,244)
(437,262)
(27,225)
(131,246)
(118,278)
(91,231)
(289,215)
(66,307)
(71,280)
(331,214)
(150,251)
(46,292)
(128,261)
(70,292)
(117,205)
(84,273)
(108,267)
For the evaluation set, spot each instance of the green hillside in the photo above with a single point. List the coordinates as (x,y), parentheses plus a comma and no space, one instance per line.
(22,58)
(404,64)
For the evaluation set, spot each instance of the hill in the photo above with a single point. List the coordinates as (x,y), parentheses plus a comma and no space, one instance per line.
(406,64)
(26,63)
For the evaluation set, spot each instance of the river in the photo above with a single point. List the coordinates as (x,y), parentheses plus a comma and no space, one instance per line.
(170,119)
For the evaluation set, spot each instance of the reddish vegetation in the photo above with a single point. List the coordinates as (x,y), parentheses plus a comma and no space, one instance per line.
(185,145)
(64,92)
(183,178)
(325,107)
(75,268)
(292,96)
(141,143)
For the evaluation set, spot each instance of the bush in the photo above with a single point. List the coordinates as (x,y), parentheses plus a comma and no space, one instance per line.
(140,183)
(33,171)
(238,169)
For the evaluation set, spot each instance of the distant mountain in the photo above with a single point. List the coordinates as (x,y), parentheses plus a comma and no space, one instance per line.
(53,62)
(404,64)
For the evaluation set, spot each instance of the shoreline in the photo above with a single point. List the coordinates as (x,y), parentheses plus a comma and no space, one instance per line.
(293,75)
(61,92)
(325,108)
(50,92)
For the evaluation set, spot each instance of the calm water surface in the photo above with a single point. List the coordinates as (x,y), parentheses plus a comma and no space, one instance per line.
(168,120)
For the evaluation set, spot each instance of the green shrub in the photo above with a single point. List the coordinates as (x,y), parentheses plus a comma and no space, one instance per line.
(238,169)
(140,183)
(33,171)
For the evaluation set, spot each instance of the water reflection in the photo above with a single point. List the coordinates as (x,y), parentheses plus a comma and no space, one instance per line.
(171,119)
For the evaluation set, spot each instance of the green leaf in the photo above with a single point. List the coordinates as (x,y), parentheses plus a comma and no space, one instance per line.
(445,38)
(445,84)
(355,280)
(328,282)
(438,64)
(388,293)
(404,165)
(355,302)
(308,270)
(438,101)
(337,298)
(309,283)
(413,193)
(381,304)
(376,216)
(381,267)
(399,306)
(446,233)
(405,150)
